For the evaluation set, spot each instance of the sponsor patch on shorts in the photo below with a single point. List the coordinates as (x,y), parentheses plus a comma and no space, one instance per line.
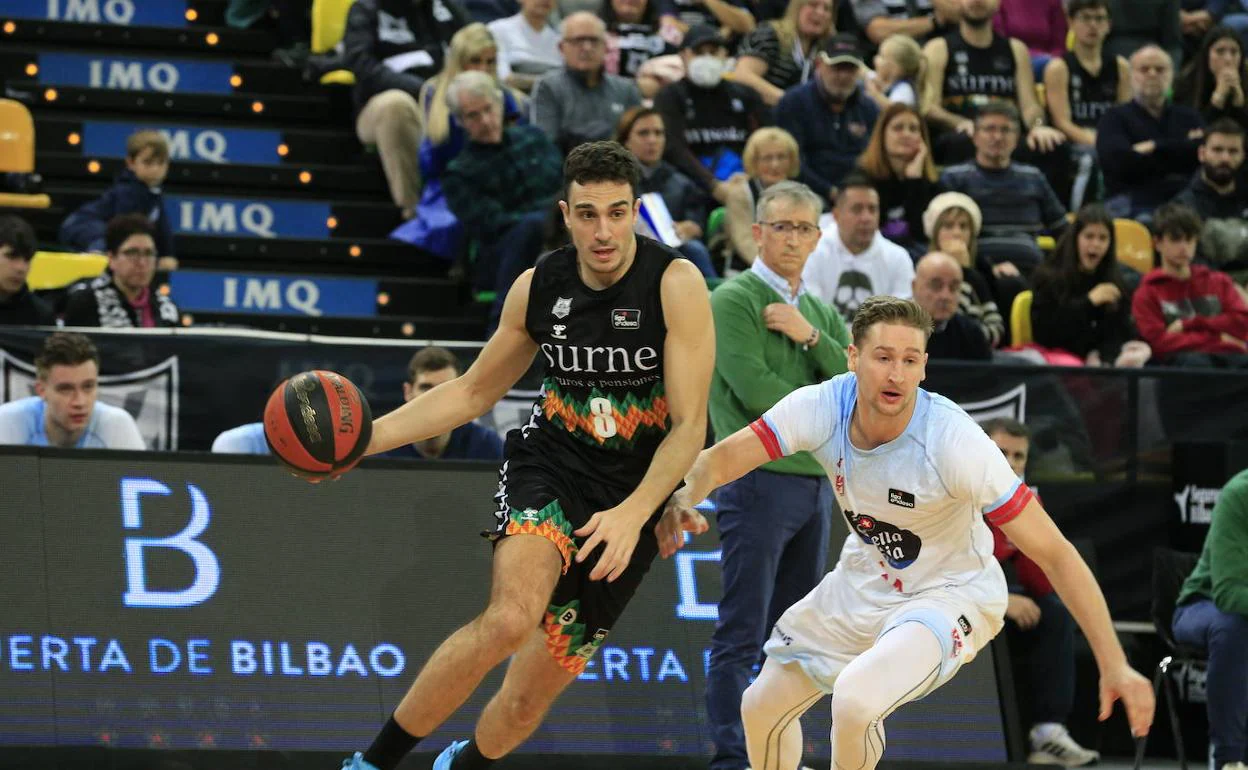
(964,624)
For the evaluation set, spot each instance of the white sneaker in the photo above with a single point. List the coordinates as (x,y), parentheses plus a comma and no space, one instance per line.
(1235,766)
(1052,745)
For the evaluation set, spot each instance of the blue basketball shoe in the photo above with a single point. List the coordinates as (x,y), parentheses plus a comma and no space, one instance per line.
(444,760)
(357,763)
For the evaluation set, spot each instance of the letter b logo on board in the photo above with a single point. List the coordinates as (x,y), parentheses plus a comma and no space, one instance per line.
(207,568)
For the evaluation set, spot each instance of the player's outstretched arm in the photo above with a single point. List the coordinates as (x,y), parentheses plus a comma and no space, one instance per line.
(688,360)
(1038,537)
(504,360)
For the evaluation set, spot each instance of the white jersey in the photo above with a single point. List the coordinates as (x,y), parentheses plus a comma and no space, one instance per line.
(110,427)
(915,505)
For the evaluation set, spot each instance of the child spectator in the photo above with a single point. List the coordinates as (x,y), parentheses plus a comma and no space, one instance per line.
(900,73)
(137,190)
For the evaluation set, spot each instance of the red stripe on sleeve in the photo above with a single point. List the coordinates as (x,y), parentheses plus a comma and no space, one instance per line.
(765,435)
(1010,509)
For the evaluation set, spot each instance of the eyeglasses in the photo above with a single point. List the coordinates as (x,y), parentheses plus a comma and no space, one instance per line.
(138,255)
(1092,18)
(803,229)
(592,41)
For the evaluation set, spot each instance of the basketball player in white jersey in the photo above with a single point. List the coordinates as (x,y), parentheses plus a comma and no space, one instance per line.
(916,593)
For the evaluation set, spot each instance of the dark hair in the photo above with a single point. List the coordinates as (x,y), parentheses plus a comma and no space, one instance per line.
(858,179)
(601,162)
(650,16)
(16,233)
(123,226)
(1225,127)
(1076,6)
(1196,83)
(1006,425)
(1177,222)
(1000,108)
(890,310)
(624,128)
(431,359)
(65,349)
(1060,272)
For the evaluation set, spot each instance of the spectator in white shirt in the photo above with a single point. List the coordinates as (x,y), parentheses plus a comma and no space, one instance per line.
(528,45)
(853,261)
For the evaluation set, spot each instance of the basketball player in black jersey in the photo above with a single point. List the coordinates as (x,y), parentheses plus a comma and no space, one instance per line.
(623,327)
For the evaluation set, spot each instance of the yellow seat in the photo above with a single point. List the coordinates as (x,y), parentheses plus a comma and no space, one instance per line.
(54,269)
(1020,319)
(329,24)
(17,152)
(1134,245)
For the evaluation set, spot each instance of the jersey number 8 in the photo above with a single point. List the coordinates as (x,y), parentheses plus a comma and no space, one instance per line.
(604,417)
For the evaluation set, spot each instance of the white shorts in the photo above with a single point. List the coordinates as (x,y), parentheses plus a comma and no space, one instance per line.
(851,608)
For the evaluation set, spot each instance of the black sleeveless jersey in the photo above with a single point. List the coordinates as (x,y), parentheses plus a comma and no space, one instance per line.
(1091,97)
(976,76)
(603,409)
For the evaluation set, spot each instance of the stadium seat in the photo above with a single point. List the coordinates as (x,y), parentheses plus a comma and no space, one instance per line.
(1134,245)
(329,24)
(53,269)
(17,153)
(1020,319)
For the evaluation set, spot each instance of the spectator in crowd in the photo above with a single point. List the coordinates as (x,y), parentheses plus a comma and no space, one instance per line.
(853,260)
(1015,198)
(246,439)
(1212,616)
(771,156)
(1080,302)
(1147,147)
(641,131)
(502,186)
(392,47)
(1214,192)
(899,160)
(1189,314)
(528,45)
(952,223)
(937,288)
(1229,13)
(919,19)
(634,37)
(708,118)
(429,368)
(18,306)
(1139,23)
(1039,24)
(778,54)
(137,190)
(830,116)
(772,336)
(64,411)
(1083,84)
(900,73)
(581,102)
(730,15)
(1212,83)
(972,67)
(1039,626)
(123,295)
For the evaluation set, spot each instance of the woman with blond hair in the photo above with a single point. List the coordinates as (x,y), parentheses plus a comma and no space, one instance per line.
(898,159)
(776,55)
(771,155)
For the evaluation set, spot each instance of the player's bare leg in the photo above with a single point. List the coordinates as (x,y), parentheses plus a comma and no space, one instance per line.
(771,711)
(526,568)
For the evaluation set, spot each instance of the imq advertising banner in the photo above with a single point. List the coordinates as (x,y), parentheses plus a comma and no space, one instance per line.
(173,601)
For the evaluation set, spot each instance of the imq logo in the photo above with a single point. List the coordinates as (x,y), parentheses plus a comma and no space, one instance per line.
(207,568)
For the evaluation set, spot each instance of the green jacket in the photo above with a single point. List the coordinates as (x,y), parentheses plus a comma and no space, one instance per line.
(1222,572)
(756,367)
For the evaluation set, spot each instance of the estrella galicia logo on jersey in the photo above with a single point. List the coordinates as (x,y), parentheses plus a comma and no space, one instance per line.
(563,306)
(899,547)
(904,499)
(626,318)
(964,624)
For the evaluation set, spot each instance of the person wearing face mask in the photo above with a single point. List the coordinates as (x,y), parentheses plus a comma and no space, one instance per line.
(830,116)
(708,118)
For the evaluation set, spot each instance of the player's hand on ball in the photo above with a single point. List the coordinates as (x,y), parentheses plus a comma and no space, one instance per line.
(679,517)
(1126,684)
(616,530)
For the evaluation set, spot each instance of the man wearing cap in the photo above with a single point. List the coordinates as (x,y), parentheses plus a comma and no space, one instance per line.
(708,118)
(829,115)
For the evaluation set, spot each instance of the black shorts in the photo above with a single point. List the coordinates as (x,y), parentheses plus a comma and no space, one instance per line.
(535,499)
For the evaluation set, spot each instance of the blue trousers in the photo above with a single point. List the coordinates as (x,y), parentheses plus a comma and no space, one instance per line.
(1046,659)
(774,532)
(696,252)
(1224,637)
(512,254)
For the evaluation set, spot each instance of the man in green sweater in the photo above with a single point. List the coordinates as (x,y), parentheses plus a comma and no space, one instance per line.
(771,338)
(1212,615)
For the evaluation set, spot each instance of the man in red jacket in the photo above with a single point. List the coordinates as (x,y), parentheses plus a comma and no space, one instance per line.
(1189,314)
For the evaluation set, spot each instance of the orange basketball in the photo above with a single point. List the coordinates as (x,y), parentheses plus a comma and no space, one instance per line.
(318,424)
